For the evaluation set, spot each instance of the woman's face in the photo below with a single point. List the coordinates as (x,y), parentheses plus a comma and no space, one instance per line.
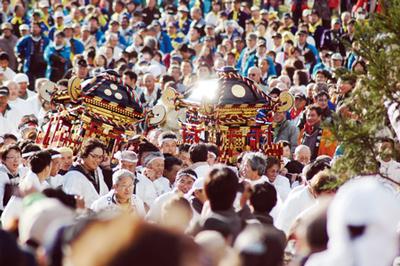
(12,161)
(94,158)
(157,166)
(100,61)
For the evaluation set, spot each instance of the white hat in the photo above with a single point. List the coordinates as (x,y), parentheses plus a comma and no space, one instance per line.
(21,77)
(85,28)
(337,56)
(36,220)
(306,12)
(183,8)
(24,27)
(43,4)
(127,156)
(58,14)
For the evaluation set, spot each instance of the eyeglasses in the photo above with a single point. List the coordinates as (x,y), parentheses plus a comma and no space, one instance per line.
(97,157)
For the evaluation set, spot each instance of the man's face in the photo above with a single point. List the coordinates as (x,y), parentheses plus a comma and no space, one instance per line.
(55,166)
(4,63)
(82,71)
(216,7)
(124,188)
(261,50)
(299,103)
(272,172)
(130,166)
(185,184)
(193,35)
(149,82)
(22,88)
(185,157)
(128,81)
(157,165)
(336,63)
(59,40)
(171,30)
(60,21)
(66,161)
(68,32)
(286,152)
(169,146)
(36,30)
(304,156)
(344,87)
(7,32)
(302,38)
(254,75)
(322,101)
(3,101)
(277,41)
(171,174)
(320,78)
(250,42)
(313,118)
(279,117)
(313,18)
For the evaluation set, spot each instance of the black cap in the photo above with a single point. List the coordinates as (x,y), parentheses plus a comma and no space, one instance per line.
(4,56)
(300,95)
(277,35)
(82,63)
(275,91)
(4,91)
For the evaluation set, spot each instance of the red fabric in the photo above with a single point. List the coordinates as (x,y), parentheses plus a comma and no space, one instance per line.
(294,113)
(308,128)
(333,4)
(364,3)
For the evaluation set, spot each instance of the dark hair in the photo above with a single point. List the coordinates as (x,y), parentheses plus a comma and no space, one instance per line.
(170,161)
(198,153)
(285,143)
(184,147)
(213,148)
(303,77)
(10,136)
(39,161)
(263,198)
(30,147)
(53,152)
(315,108)
(298,65)
(67,200)
(131,74)
(321,93)
(316,233)
(146,146)
(6,150)
(221,187)
(4,56)
(187,171)
(271,161)
(90,145)
(317,166)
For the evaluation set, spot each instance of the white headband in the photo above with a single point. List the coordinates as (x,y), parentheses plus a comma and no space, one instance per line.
(185,174)
(166,139)
(28,154)
(56,156)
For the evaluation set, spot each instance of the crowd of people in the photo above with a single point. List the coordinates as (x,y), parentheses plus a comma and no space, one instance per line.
(158,201)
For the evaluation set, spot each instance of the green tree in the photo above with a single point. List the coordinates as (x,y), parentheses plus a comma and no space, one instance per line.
(378,43)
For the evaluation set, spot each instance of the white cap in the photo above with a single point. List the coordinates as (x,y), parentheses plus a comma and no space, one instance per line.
(306,12)
(126,156)
(21,77)
(24,27)
(183,8)
(43,4)
(37,219)
(58,14)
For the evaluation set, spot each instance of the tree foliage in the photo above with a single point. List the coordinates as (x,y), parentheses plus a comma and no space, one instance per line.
(378,43)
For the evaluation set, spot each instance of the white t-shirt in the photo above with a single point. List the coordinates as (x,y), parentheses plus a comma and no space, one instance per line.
(9,121)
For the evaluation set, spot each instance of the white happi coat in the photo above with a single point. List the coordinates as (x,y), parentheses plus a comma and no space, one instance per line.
(76,183)
(107,202)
